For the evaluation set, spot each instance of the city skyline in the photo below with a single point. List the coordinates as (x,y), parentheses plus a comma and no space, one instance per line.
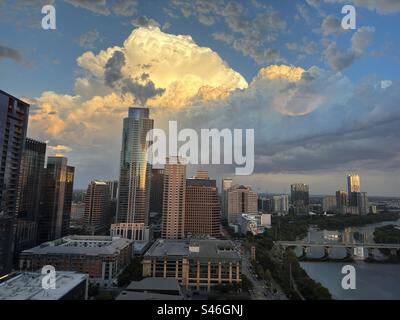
(338,105)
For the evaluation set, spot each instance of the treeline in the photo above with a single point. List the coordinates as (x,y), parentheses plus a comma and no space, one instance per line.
(387,234)
(283,266)
(288,227)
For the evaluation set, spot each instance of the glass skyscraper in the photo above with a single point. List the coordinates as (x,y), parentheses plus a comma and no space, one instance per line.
(56,199)
(13,125)
(135,169)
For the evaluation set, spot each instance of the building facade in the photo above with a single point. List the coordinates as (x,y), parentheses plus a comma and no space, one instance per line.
(281,204)
(202,211)
(173,217)
(132,231)
(300,198)
(28,199)
(196,264)
(103,258)
(329,204)
(56,199)
(157,190)
(227,183)
(97,216)
(14,115)
(241,199)
(135,169)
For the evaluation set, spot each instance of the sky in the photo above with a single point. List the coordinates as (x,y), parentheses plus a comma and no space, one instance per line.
(323,101)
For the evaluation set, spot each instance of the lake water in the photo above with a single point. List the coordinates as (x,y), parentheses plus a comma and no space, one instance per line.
(373,280)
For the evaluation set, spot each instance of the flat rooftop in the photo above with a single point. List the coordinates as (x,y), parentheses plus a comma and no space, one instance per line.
(154,285)
(28,286)
(196,249)
(129,295)
(85,245)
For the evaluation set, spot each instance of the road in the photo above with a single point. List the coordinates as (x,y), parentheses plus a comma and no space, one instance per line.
(260,290)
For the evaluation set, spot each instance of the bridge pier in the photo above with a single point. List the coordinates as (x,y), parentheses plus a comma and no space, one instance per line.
(371,252)
(349,252)
(327,251)
(306,250)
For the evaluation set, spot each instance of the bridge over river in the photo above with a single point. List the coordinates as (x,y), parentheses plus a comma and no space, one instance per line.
(353,249)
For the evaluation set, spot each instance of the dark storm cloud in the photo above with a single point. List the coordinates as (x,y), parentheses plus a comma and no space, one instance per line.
(142,87)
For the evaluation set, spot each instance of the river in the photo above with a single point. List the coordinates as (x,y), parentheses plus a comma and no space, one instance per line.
(375,281)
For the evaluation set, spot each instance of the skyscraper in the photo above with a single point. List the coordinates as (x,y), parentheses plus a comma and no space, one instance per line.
(13,125)
(341,200)
(281,204)
(173,217)
(28,200)
(56,199)
(353,186)
(156,195)
(300,198)
(135,170)
(329,204)
(202,211)
(113,189)
(227,183)
(97,216)
(241,199)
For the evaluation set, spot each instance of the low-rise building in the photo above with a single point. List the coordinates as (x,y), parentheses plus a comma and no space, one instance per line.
(131,231)
(198,264)
(28,286)
(103,258)
(152,289)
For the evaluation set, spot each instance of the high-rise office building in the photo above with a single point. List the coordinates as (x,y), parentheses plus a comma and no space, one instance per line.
(156,195)
(300,198)
(13,126)
(281,204)
(28,199)
(135,169)
(56,199)
(202,211)
(113,193)
(97,216)
(227,183)
(112,189)
(362,203)
(354,187)
(173,216)
(341,200)
(241,199)
(329,204)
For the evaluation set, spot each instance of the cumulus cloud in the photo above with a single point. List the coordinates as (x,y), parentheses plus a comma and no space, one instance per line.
(145,22)
(331,25)
(340,59)
(89,39)
(168,72)
(305,119)
(97,6)
(381,6)
(125,7)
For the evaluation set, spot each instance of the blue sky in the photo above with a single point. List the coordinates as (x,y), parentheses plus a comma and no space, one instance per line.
(247,36)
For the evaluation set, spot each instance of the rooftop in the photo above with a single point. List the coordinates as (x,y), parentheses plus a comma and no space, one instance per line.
(85,245)
(199,248)
(158,285)
(28,286)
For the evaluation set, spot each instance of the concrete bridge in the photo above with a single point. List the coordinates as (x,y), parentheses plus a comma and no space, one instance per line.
(349,247)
